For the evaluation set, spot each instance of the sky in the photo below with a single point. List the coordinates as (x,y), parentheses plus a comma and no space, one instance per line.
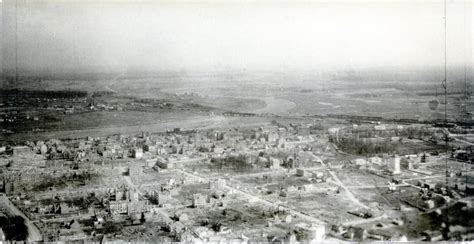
(206,36)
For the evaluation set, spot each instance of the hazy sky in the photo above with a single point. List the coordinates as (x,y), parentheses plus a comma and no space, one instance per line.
(207,36)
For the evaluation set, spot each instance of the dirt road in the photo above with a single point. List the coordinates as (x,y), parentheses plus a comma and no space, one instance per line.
(339,183)
(266,202)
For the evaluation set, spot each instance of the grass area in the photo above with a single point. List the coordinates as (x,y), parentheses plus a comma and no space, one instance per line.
(62,181)
(354,145)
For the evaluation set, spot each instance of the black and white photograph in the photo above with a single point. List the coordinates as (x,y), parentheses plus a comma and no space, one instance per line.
(236,121)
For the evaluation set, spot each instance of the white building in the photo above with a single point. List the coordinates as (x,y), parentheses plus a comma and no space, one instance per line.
(380,127)
(316,233)
(137,153)
(376,160)
(274,163)
(164,163)
(217,184)
(394,165)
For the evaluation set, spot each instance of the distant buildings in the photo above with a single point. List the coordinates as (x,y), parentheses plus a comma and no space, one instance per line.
(20,149)
(271,137)
(360,161)
(217,184)
(333,130)
(269,148)
(315,233)
(125,201)
(137,153)
(135,171)
(170,162)
(165,163)
(380,127)
(356,234)
(273,163)
(199,200)
(376,160)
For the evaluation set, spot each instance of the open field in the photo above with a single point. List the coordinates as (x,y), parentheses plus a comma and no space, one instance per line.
(130,104)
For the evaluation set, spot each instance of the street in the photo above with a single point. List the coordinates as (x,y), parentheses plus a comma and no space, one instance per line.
(33,232)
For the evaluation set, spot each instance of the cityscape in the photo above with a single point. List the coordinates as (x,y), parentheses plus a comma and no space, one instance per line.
(230,152)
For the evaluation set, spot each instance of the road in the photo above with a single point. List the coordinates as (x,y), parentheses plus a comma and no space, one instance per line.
(347,191)
(273,172)
(314,168)
(107,87)
(364,221)
(299,142)
(258,199)
(374,186)
(339,183)
(425,177)
(464,141)
(34,234)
